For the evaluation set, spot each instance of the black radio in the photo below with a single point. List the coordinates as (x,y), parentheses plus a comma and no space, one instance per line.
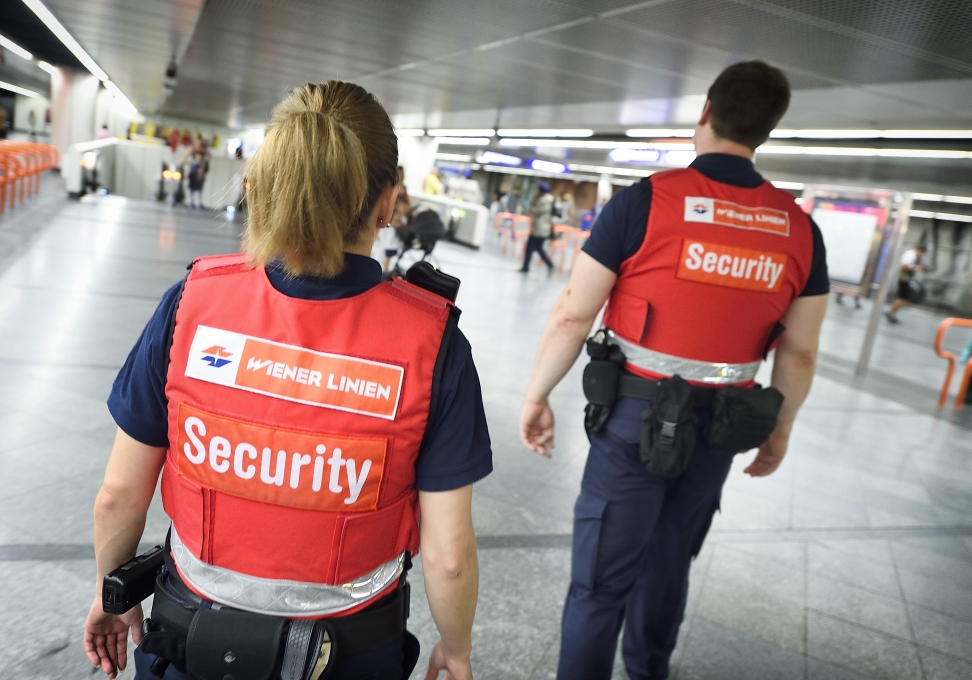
(132,582)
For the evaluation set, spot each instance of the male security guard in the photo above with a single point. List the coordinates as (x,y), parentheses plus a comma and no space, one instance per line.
(704,270)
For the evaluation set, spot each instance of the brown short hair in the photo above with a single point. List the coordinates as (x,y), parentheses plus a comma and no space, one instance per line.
(748,99)
(329,151)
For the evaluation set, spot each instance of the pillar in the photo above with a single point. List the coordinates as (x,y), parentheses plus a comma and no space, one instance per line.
(417,156)
(73,101)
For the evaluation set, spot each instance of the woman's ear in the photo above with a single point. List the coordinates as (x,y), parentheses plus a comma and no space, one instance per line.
(386,205)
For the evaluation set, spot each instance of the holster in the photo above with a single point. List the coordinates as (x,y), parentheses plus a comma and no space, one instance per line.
(601,379)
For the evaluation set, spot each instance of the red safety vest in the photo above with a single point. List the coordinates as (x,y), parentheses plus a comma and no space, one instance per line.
(295,425)
(717,270)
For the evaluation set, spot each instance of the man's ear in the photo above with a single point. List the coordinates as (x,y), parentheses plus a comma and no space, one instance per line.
(706,113)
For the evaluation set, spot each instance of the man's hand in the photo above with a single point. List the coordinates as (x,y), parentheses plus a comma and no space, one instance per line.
(106,637)
(770,456)
(456,668)
(537,427)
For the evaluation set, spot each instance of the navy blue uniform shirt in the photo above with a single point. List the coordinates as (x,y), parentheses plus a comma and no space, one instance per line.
(456,449)
(620,230)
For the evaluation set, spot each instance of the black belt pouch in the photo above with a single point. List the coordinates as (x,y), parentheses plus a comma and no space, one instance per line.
(600,382)
(227,644)
(743,417)
(668,427)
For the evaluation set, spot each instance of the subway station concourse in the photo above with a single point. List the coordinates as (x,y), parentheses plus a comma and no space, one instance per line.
(852,561)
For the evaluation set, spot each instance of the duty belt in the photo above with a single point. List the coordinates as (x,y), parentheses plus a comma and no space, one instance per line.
(278,597)
(307,647)
(694,371)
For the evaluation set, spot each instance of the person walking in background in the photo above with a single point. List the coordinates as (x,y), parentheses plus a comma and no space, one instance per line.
(910,263)
(32,125)
(433,182)
(197,177)
(541,214)
(3,122)
(565,208)
(511,202)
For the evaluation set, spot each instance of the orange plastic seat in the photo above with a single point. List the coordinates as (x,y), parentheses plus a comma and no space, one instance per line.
(944,354)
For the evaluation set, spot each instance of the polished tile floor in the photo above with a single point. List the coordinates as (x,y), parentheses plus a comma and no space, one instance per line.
(853,561)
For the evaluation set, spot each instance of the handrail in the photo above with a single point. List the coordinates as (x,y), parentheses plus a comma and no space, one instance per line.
(21,164)
(948,356)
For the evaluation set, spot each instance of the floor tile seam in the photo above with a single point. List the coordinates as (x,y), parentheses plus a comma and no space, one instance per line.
(933,610)
(542,658)
(44,364)
(911,625)
(96,293)
(111,256)
(872,591)
(806,610)
(857,624)
(20,494)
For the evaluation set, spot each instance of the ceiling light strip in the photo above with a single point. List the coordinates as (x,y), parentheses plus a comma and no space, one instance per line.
(463,141)
(571,132)
(44,66)
(15,48)
(951,217)
(475,132)
(17,89)
(940,197)
(857,151)
(870,134)
(661,132)
(62,34)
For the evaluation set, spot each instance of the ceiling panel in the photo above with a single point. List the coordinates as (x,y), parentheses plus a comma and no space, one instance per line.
(789,38)
(132,40)
(590,63)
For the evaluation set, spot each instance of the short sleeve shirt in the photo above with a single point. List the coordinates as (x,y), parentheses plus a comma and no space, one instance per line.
(620,229)
(456,450)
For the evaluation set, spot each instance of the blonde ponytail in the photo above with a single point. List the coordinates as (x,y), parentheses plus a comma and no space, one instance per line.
(317,176)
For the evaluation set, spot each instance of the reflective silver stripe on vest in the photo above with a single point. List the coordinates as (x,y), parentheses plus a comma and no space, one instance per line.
(689,369)
(279,597)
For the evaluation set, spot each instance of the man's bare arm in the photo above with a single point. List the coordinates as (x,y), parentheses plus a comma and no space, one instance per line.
(793,369)
(569,324)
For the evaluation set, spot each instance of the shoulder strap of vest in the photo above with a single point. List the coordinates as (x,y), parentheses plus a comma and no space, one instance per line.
(214,265)
(170,332)
(451,324)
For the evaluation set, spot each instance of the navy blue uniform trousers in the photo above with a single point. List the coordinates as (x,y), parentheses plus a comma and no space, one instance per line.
(635,535)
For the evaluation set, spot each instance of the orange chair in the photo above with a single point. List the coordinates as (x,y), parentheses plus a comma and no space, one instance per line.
(21,165)
(563,234)
(966,374)
(500,224)
(580,238)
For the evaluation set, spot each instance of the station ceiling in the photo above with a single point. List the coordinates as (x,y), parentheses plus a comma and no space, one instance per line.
(606,64)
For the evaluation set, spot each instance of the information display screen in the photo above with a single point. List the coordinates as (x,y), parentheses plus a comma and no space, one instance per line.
(848,231)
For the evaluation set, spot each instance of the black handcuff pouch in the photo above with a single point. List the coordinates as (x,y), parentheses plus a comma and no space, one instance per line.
(743,417)
(668,429)
(231,643)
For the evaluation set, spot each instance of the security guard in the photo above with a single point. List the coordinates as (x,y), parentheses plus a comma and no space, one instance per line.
(302,414)
(704,270)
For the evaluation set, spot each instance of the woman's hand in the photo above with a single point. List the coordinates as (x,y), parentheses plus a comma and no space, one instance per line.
(106,637)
